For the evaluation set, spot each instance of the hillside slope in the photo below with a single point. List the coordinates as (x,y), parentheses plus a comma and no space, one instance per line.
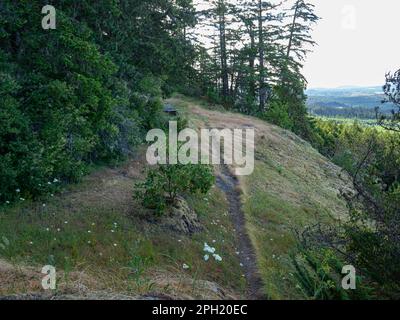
(104,241)
(292,186)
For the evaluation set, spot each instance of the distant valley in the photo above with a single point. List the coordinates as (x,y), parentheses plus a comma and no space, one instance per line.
(346,102)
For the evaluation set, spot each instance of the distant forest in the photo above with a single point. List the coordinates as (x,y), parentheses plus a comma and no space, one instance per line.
(352,103)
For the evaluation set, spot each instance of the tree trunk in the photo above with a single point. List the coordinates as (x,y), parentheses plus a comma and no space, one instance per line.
(252,58)
(292,30)
(224,63)
(263,89)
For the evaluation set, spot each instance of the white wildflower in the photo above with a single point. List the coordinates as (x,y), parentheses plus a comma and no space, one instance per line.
(206,257)
(208,249)
(217,257)
(185,266)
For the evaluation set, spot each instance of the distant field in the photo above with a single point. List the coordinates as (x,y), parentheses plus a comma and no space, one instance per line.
(347,103)
(365,122)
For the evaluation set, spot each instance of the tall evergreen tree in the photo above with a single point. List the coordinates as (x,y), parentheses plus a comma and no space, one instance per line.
(217,17)
(299,40)
(391,90)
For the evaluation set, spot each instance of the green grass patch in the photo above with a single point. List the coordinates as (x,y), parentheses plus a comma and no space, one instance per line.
(84,230)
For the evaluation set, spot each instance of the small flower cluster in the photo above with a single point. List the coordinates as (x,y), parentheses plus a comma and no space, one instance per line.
(210,250)
(48,187)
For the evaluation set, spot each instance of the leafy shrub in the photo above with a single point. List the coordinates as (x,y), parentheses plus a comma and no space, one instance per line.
(319,275)
(278,114)
(164,183)
(369,239)
(68,97)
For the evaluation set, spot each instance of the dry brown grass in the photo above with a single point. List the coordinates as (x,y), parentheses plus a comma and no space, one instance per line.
(17,279)
(103,197)
(292,186)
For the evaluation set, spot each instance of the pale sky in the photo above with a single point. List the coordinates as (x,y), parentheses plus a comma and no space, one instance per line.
(358,42)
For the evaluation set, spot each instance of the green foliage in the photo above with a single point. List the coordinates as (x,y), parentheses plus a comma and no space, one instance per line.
(319,274)
(372,158)
(84,92)
(138,266)
(291,93)
(164,183)
(278,114)
(287,106)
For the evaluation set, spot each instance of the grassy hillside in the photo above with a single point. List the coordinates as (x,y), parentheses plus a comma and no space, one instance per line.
(292,186)
(103,242)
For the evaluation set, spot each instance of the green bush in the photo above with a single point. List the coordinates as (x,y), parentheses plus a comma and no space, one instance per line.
(278,114)
(81,94)
(319,274)
(369,239)
(164,183)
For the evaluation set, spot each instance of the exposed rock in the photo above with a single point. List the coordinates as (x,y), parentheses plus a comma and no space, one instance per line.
(182,218)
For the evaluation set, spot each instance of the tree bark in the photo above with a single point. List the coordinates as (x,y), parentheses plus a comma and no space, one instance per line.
(252,58)
(224,62)
(262,89)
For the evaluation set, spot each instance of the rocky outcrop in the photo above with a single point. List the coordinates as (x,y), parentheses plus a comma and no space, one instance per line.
(182,218)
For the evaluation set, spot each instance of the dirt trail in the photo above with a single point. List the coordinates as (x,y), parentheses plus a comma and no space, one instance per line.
(229,185)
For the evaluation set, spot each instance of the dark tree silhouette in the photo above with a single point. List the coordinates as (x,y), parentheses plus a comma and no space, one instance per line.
(392,95)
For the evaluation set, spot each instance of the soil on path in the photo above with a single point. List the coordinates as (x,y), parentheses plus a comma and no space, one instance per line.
(228,183)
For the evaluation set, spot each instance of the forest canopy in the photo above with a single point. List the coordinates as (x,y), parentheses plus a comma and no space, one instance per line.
(87,90)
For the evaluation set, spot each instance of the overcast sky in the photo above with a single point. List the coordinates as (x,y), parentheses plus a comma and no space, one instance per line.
(358,42)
